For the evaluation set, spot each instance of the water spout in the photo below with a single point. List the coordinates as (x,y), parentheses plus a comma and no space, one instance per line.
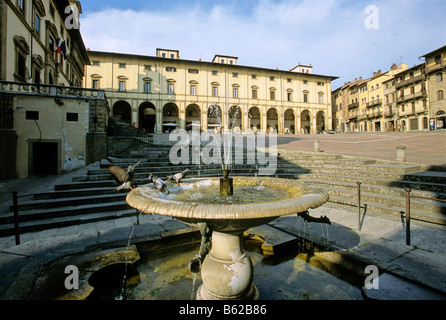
(306,216)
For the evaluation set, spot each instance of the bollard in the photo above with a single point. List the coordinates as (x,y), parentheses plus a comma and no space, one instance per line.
(359,206)
(16,217)
(401,153)
(316,146)
(408,190)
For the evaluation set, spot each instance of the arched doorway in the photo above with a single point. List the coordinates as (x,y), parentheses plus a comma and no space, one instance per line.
(170,118)
(272,120)
(235,119)
(289,126)
(122,110)
(147,117)
(193,115)
(320,121)
(440,120)
(305,122)
(214,117)
(254,118)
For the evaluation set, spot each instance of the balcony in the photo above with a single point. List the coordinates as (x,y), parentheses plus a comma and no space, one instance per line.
(374,103)
(54,91)
(353,105)
(412,96)
(374,115)
(389,114)
(410,81)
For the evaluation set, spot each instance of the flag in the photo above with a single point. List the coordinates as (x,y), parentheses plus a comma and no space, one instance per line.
(62,49)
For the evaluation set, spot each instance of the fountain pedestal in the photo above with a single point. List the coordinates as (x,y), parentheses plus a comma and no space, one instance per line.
(227,270)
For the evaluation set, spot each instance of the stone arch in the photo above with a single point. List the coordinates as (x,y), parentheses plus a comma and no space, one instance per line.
(320,121)
(289,121)
(254,118)
(305,121)
(170,117)
(235,118)
(147,117)
(193,115)
(272,120)
(122,110)
(214,117)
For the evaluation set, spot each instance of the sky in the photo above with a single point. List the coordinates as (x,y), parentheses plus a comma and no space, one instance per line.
(343,38)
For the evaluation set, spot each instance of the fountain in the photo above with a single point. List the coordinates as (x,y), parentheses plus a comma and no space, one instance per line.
(226,270)
(223,215)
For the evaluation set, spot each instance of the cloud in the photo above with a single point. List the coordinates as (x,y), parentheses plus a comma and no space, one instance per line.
(329,34)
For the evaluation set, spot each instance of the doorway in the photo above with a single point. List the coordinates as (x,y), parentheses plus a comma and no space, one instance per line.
(44,158)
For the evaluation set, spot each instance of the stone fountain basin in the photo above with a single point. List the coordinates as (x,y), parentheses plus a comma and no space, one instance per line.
(269,199)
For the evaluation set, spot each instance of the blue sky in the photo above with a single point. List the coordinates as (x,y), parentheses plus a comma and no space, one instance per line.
(329,34)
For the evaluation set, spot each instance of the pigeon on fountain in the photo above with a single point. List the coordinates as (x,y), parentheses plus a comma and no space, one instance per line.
(126,179)
(158,183)
(178,176)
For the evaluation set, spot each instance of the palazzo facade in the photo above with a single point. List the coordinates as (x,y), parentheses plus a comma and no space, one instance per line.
(164,92)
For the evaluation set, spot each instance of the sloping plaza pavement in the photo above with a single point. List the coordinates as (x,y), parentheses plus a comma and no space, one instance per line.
(415,271)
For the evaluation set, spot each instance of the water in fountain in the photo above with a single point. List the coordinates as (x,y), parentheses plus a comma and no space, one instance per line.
(121,295)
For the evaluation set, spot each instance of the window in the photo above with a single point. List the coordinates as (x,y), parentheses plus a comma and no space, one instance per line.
(272,95)
(95,84)
(172,56)
(32,115)
(214,72)
(21,5)
(147,68)
(72,116)
(52,11)
(37,24)
(122,65)
(234,74)
(215,91)
(193,90)
(254,93)
(121,86)
(51,43)
(288,80)
(195,71)
(320,83)
(171,69)
(321,98)
(305,96)
(170,88)
(290,96)
(235,92)
(305,81)
(96,63)
(440,95)
(254,76)
(147,87)
(21,66)
(439,77)
(438,60)
(271,78)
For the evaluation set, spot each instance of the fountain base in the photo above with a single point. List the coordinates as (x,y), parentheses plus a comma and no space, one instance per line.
(227,271)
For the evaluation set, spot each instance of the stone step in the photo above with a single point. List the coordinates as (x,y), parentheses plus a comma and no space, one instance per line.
(34,216)
(392,210)
(7,230)
(416,185)
(70,202)
(416,203)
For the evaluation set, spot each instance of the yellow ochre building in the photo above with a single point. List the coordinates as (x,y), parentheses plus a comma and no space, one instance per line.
(164,92)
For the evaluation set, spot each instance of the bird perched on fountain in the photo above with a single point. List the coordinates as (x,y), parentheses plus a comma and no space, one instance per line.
(158,183)
(178,176)
(125,178)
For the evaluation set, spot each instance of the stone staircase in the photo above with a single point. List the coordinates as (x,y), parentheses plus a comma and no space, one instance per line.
(91,197)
